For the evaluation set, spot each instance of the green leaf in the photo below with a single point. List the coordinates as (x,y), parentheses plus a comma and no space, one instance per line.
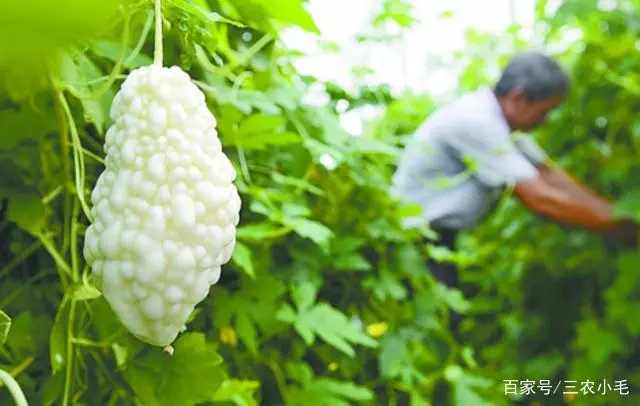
(242,258)
(599,342)
(259,300)
(330,392)
(52,389)
(382,229)
(440,253)
(346,390)
(113,51)
(392,356)
(247,331)
(86,291)
(286,314)
(261,130)
(317,232)
(464,385)
(467,356)
(628,206)
(292,11)
(477,381)
(259,231)
(264,209)
(371,146)
(104,320)
(29,333)
(262,140)
(58,338)
(398,11)
(409,210)
(121,353)
(298,183)
(453,373)
(329,324)
(201,10)
(304,293)
(452,297)
(386,285)
(465,396)
(241,393)
(39,32)
(82,75)
(295,210)
(27,122)
(259,123)
(299,372)
(409,260)
(5,325)
(353,261)
(192,375)
(306,332)
(28,212)
(545,365)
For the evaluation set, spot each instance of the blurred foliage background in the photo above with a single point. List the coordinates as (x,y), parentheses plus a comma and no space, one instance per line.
(314,307)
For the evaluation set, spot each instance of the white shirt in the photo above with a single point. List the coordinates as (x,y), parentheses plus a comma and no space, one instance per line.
(459,161)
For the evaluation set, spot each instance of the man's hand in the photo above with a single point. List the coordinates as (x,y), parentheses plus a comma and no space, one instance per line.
(557,196)
(629,232)
(626,230)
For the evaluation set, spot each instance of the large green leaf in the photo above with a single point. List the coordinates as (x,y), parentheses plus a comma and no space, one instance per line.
(241,393)
(242,258)
(27,122)
(28,212)
(200,9)
(317,232)
(629,206)
(80,74)
(330,392)
(329,324)
(39,31)
(292,12)
(192,375)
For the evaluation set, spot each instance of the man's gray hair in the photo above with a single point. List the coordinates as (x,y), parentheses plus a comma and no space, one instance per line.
(538,75)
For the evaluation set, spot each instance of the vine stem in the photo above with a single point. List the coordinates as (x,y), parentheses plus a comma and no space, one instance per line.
(157,52)
(115,71)
(66,162)
(68,378)
(18,259)
(78,159)
(14,388)
(75,272)
(19,369)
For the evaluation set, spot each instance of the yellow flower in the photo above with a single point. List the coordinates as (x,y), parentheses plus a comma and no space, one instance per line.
(376,330)
(229,336)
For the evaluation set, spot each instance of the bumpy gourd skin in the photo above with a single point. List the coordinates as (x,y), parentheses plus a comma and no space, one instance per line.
(165,208)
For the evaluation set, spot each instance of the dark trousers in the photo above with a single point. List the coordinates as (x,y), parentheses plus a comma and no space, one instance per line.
(447,273)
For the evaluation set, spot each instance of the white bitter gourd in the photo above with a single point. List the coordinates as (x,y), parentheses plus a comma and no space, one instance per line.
(165,208)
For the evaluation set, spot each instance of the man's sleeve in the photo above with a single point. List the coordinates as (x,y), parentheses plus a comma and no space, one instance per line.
(492,158)
(531,149)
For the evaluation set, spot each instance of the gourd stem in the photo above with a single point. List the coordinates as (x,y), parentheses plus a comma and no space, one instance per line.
(157,52)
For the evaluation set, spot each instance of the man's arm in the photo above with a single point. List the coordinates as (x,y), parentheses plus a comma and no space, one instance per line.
(575,207)
(556,176)
(564,206)
(500,162)
(566,200)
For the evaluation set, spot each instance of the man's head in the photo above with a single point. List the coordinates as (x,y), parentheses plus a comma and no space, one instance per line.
(531,85)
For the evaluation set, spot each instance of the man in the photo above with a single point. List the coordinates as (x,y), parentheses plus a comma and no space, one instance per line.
(464,155)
